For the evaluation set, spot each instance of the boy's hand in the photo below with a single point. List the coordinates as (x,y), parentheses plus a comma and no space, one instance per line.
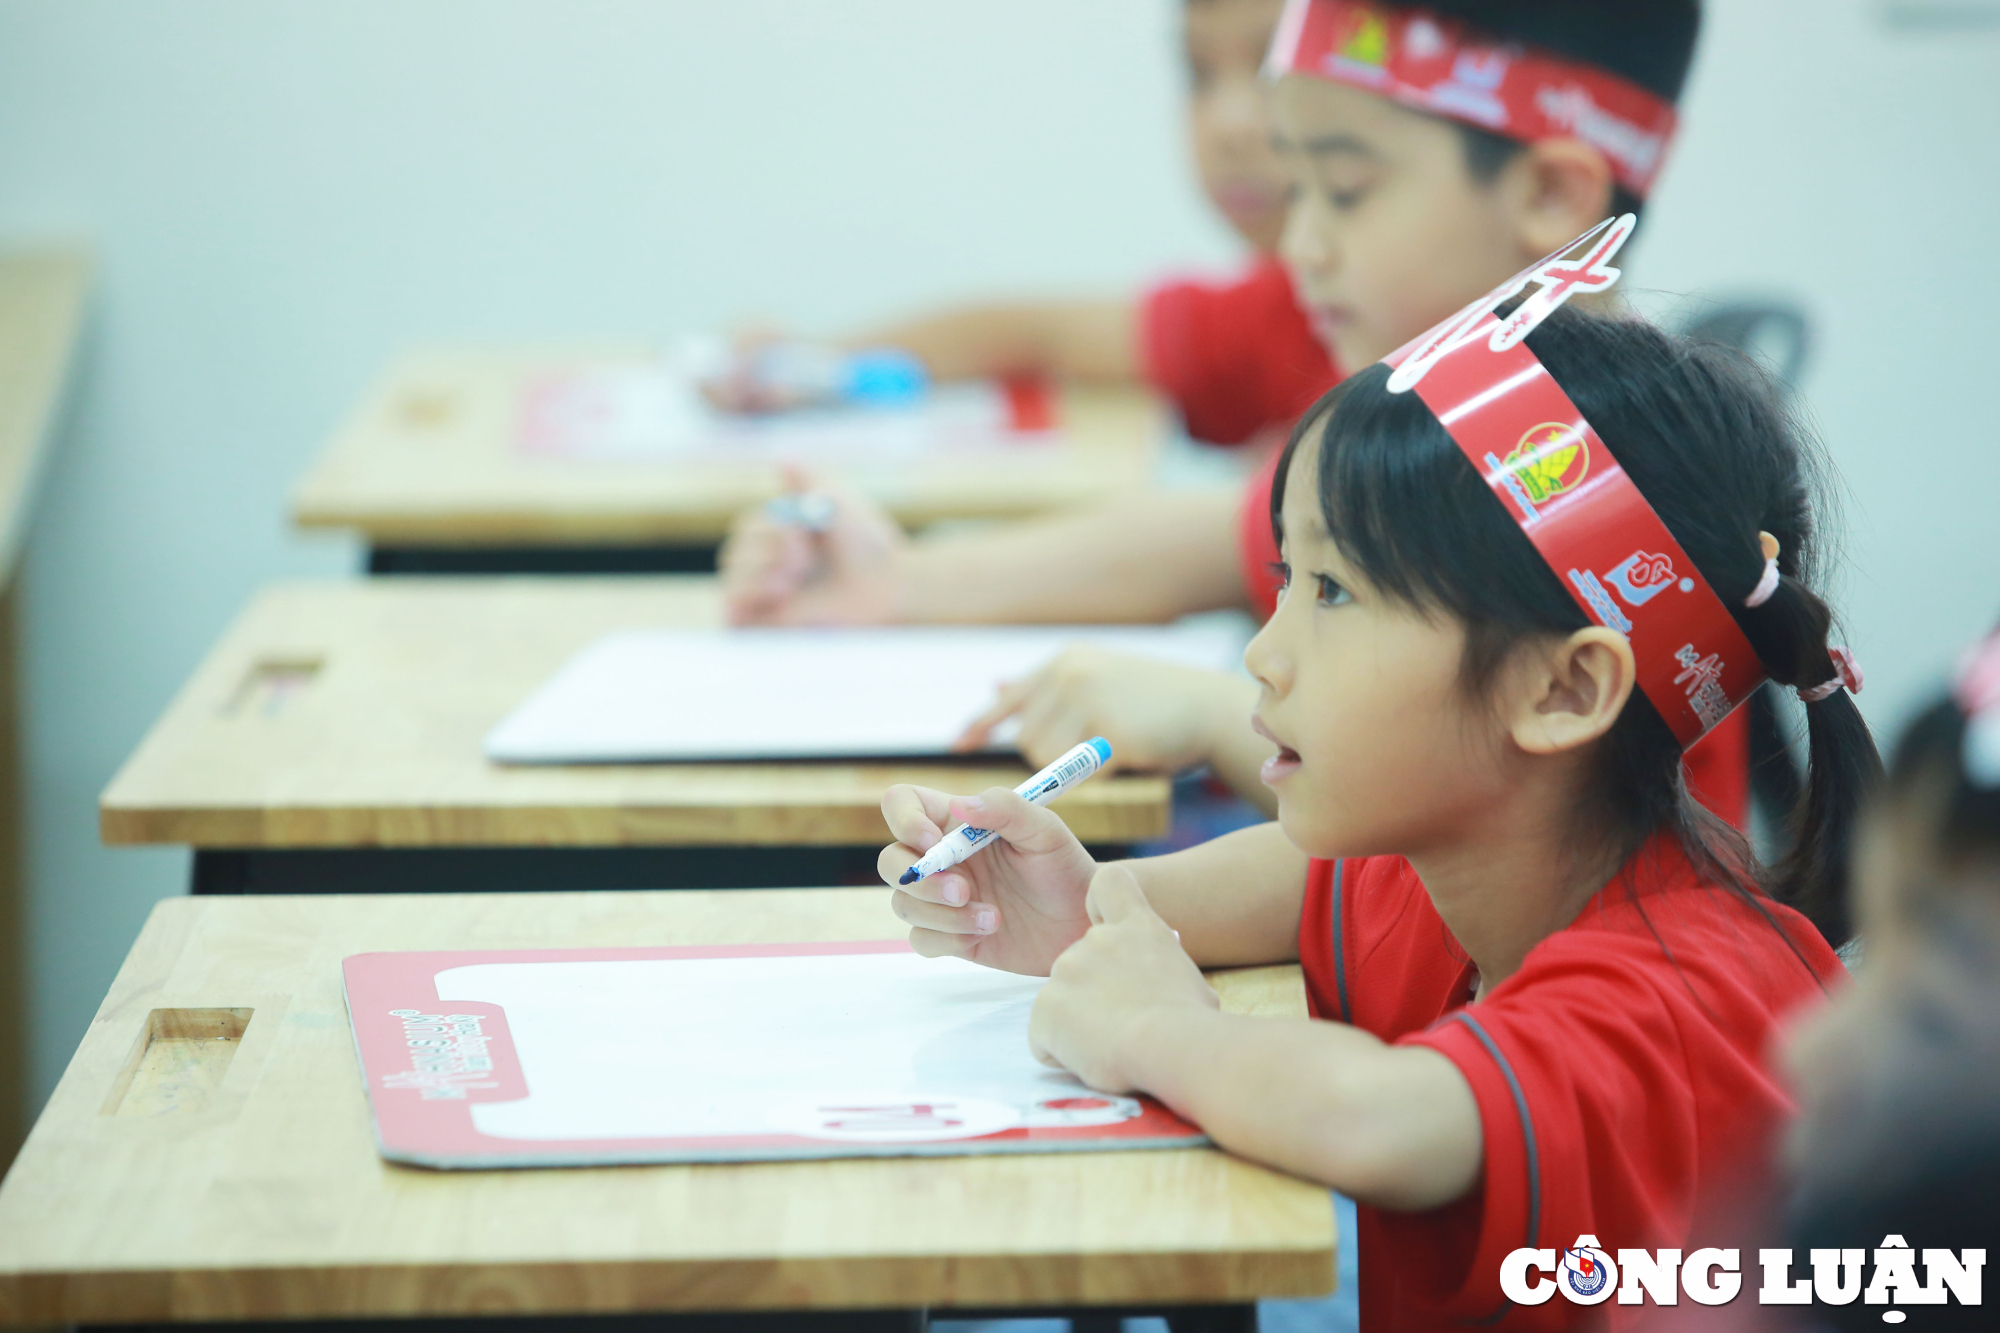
(1015,905)
(736,386)
(1159,716)
(1101,1013)
(850,572)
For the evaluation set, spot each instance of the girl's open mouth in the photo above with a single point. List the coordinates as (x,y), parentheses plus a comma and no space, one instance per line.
(1280,765)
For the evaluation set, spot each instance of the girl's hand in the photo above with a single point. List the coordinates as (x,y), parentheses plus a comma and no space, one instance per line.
(1015,905)
(1113,995)
(1159,716)
(848,573)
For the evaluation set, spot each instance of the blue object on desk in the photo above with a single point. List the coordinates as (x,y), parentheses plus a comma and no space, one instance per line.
(884,377)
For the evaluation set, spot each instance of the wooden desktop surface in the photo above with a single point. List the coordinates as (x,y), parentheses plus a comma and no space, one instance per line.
(350,714)
(429,458)
(208,1155)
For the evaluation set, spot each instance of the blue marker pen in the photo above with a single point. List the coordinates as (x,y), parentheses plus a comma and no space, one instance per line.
(1075,766)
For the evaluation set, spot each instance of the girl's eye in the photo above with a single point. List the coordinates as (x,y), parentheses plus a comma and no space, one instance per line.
(1331,593)
(1345,200)
(1282,572)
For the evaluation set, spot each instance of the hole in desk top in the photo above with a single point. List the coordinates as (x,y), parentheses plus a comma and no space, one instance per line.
(270,686)
(178,1061)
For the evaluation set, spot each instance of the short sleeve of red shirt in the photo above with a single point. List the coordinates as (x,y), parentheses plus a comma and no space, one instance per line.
(1256,544)
(1238,358)
(1621,1073)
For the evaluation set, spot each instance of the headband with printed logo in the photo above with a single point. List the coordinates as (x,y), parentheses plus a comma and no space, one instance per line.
(1560,482)
(1440,66)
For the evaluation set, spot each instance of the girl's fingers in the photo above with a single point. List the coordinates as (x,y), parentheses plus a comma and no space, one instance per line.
(1038,1026)
(947,887)
(976,919)
(1115,895)
(916,815)
(1026,826)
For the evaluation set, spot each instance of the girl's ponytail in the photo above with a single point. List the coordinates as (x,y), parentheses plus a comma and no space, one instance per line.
(1789,632)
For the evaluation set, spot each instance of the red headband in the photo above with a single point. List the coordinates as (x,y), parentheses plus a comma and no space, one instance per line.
(1439,66)
(1560,482)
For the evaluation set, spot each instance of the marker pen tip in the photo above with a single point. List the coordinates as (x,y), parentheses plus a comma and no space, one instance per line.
(910,876)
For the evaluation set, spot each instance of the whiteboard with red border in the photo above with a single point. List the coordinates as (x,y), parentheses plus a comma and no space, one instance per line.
(715,1053)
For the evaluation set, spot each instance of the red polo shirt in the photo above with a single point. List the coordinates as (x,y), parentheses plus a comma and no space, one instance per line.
(1238,358)
(1718,767)
(1621,1073)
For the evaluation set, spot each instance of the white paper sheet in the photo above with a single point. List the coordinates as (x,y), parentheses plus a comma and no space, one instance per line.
(730,1046)
(659,695)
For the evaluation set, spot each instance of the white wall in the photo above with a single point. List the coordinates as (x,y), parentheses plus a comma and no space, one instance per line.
(283,193)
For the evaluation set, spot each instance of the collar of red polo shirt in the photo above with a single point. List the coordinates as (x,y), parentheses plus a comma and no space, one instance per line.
(1440,66)
(1560,482)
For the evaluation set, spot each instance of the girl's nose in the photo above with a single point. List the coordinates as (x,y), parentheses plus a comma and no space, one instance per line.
(1265,658)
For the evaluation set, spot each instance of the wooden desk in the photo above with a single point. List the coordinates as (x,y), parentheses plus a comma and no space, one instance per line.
(238,1179)
(42,295)
(332,741)
(427,470)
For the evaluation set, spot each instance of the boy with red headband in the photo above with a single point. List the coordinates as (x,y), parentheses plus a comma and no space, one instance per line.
(1433,151)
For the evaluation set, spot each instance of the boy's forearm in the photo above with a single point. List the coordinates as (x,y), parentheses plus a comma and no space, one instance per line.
(1084,340)
(1392,1126)
(1141,559)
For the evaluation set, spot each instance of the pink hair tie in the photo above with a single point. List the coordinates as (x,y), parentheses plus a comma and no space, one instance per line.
(1847,677)
(1978,693)
(1766,585)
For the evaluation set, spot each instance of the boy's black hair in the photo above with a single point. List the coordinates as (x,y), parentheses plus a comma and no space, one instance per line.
(1648,42)
(1706,436)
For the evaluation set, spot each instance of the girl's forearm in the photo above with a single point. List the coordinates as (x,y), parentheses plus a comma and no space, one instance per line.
(1235,899)
(1394,1126)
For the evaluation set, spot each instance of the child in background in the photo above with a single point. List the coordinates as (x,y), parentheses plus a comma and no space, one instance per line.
(1237,358)
(1544,981)
(1403,210)
(1899,1079)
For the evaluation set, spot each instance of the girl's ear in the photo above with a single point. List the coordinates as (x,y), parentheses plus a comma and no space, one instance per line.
(1560,188)
(1568,693)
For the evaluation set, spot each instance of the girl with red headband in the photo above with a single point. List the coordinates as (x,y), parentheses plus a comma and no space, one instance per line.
(1527,561)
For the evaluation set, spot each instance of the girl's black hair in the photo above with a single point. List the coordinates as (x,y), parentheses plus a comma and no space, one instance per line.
(1648,42)
(1707,438)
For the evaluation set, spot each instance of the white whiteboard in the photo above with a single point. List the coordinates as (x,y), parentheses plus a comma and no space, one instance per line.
(716,1053)
(660,695)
